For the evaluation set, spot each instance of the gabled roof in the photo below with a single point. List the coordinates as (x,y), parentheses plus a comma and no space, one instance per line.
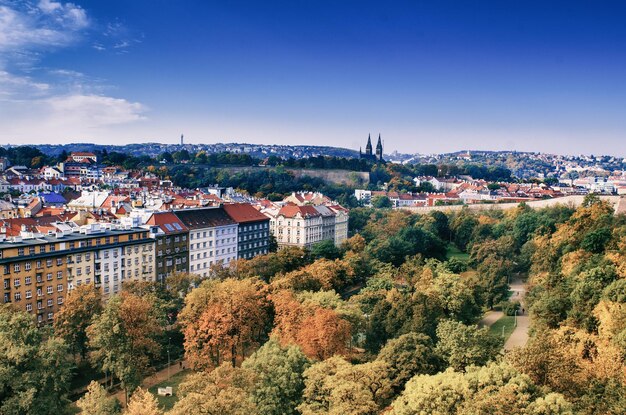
(244,212)
(168,222)
(204,218)
(290,211)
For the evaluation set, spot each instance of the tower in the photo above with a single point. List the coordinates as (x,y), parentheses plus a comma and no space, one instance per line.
(181,140)
(368,147)
(379,149)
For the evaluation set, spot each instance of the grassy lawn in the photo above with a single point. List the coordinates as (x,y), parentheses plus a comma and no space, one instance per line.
(507,322)
(167,402)
(453,252)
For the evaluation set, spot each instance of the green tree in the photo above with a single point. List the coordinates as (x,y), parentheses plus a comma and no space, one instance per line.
(325,249)
(496,389)
(123,338)
(222,391)
(97,401)
(381,202)
(278,382)
(409,355)
(461,346)
(82,305)
(34,369)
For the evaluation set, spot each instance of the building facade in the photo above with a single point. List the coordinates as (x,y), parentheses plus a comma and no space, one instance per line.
(253,232)
(212,238)
(171,244)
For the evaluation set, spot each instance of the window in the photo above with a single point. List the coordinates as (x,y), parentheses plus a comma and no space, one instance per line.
(50,302)
(48,262)
(49,289)
(59,262)
(29,307)
(50,315)
(39,305)
(87,269)
(49,276)
(38,264)
(26,281)
(16,282)
(16,267)
(29,294)
(39,292)
(52,248)
(27,266)
(60,300)
(20,251)
(59,274)
(60,287)
(18,296)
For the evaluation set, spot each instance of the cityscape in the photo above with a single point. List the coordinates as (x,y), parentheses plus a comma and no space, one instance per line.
(270,208)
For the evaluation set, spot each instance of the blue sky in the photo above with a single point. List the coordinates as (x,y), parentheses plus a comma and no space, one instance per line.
(431,76)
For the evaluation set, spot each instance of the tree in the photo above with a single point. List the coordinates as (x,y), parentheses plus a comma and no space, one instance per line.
(330,388)
(222,391)
(461,346)
(224,321)
(278,382)
(381,202)
(123,338)
(324,334)
(325,249)
(320,332)
(496,389)
(97,401)
(82,304)
(409,355)
(34,370)
(142,403)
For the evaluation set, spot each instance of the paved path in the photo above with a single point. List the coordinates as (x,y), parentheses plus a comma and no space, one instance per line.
(152,380)
(489,318)
(519,337)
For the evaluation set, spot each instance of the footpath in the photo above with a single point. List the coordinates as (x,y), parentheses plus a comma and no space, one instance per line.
(153,379)
(519,337)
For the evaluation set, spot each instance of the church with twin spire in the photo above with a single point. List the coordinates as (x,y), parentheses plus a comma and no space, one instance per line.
(378,157)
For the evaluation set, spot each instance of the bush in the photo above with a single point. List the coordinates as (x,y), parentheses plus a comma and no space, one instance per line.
(509,307)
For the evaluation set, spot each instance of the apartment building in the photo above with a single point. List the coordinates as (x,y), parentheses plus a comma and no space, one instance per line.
(342,217)
(297,226)
(307,225)
(107,255)
(39,269)
(34,274)
(212,238)
(172,244)
(253,232)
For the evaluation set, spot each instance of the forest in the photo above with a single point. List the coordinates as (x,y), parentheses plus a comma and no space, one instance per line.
(385,323)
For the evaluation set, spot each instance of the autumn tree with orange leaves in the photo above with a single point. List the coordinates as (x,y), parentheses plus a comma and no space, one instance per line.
(224,321)
(320,332)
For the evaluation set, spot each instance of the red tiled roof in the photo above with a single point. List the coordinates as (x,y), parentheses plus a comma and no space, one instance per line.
(244,212)
(168,222)
(204,218)
(290,211)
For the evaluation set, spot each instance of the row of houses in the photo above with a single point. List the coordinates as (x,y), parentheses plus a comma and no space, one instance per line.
(45,258)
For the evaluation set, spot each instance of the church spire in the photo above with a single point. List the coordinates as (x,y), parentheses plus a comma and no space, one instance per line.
(368,147)
(379,149)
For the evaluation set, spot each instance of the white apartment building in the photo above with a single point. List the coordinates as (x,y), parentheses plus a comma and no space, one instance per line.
(296,226)
(212,238)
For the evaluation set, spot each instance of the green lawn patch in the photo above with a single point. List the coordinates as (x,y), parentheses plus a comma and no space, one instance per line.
(167,402)
(453,252)
(508,322)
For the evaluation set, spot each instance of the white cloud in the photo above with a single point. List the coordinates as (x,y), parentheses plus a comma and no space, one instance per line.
(92,111)
(52,103)
(68,116)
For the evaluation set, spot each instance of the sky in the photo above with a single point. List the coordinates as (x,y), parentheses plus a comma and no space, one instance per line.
(429,76)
